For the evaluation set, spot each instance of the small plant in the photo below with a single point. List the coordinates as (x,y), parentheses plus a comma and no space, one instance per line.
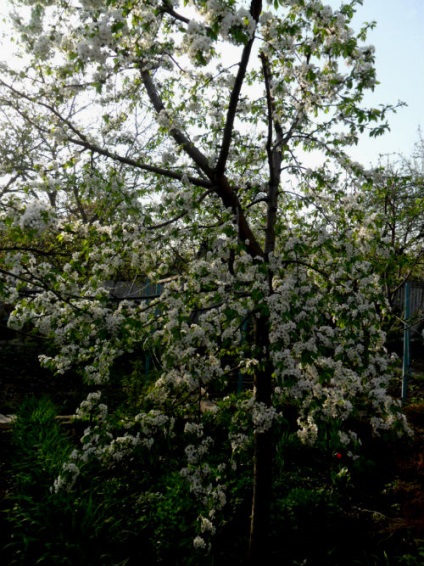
(50,526)
(40,448)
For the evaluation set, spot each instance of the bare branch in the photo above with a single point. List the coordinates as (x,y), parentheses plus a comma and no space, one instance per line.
(143,166)
(82,141)
(168,9)
(172,220)
(181,139)
(220,183)
(255,11)
(274,153)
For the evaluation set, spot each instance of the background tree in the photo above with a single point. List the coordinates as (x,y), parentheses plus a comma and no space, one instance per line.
(397,197)
(197,124)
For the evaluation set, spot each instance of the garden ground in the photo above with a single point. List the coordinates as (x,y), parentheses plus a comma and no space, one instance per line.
(383,514)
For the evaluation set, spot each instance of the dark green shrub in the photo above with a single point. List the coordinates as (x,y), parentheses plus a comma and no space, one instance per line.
(48,527)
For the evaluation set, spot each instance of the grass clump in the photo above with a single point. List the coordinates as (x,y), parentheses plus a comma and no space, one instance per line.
(40,448)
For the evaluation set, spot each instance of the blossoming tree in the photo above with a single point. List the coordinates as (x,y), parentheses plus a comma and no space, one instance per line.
(396,195)
(213,133)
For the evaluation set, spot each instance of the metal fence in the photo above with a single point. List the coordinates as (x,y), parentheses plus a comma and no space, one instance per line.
(416,299)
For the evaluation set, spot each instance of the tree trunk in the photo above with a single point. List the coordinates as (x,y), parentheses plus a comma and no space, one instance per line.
(263,453)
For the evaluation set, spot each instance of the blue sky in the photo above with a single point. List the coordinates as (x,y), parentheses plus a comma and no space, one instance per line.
(399,42)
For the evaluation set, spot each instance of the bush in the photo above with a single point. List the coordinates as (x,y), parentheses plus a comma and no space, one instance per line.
(49,527)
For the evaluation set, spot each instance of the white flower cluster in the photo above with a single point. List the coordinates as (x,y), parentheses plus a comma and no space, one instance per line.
(91,408)
(206,525)
(263,417)
(203,482)
(241,20)
(122,447)
(199,543)
(239,441)
(308,430)
(37,216)
(229,19)
(350,439)
(169,158)
(207,530)
(197,44)
(164,119)
(67,479)
(194,428)
(153,424)
(42,48)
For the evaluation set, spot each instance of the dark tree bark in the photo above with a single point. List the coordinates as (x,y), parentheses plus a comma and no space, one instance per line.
(263,453)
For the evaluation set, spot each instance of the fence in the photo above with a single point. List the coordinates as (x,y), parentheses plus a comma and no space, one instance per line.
(416,299)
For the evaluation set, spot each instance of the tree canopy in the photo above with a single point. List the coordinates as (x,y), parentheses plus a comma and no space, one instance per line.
(203,146)
(397,197)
